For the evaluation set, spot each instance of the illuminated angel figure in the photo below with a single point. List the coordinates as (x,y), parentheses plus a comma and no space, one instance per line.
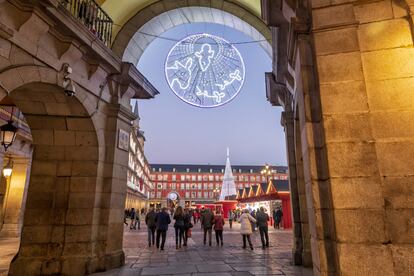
(233,77)
(182,73)
(204,70)
(204,56)
(217,96)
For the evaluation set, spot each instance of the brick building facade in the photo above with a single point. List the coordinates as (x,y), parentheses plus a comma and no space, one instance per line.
(200,184)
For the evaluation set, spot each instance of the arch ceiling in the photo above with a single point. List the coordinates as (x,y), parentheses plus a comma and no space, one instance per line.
(161,23)
(123,10)
(135,18)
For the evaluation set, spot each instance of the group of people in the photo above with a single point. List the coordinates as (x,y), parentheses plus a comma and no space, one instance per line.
(134,216)
(158,222)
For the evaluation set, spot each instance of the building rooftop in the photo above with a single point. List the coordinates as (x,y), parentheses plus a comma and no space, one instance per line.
(183,168)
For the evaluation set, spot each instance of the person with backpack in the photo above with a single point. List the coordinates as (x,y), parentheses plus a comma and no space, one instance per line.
(179,226)
(207,220)
(218,227)
(150,222)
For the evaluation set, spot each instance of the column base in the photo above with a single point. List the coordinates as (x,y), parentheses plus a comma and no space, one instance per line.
(65,265)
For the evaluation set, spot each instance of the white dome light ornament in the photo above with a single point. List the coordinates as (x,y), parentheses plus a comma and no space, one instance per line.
(205,70)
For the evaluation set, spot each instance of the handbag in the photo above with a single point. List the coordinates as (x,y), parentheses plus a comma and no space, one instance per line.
(189,233)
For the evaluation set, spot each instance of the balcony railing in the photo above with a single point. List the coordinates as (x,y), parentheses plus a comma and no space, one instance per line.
(90,14)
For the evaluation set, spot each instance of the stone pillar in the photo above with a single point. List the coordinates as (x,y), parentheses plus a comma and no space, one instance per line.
(313,157)
(364,54)
(114,183)
(297,250)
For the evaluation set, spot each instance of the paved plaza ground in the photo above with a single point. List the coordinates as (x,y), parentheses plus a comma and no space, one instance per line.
(198,259)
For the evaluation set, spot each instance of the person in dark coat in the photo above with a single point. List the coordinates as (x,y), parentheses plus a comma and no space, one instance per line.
(179,226)
(207,220)
(162,220)
(187,225)
(133,216)
(277,216)
(150,222)
(261,220)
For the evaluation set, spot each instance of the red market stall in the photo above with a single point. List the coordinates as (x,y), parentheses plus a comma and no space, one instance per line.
(225,206)
(270,195)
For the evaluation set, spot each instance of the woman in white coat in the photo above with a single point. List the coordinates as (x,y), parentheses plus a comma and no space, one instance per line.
(246,227)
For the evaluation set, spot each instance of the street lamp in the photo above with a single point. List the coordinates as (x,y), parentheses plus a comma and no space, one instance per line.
(267,172)
(8,132)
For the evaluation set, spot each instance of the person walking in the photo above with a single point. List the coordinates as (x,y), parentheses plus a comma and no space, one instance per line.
(162,220)
(179,226)
(218,227)
(138,220)
(187,225)
(262,218)
(277,216)
(231,218)
(207,220)
(126,213)
(195,217)
(246,227)
(132,215)
(150,222)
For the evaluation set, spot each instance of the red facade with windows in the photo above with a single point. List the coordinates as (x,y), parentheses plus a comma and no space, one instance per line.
(201,184)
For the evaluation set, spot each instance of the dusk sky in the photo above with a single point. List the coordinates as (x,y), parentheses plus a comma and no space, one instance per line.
(179,133)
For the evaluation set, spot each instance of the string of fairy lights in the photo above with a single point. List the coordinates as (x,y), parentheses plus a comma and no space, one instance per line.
(178,40)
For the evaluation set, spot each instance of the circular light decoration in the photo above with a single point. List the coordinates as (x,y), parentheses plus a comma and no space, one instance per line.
(205,70)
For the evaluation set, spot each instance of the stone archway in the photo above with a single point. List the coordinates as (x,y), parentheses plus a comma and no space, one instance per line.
(61,199)
(162,15)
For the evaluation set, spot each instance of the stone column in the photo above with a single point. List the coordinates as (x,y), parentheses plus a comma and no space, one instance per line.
(288,124)
(315,168)
(364,52)
(114,182)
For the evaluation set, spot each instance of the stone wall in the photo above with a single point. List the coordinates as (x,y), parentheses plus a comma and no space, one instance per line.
(364,52)
(353,76)
(73,214)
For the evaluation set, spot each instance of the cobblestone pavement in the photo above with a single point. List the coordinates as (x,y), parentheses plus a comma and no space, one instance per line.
(199,259)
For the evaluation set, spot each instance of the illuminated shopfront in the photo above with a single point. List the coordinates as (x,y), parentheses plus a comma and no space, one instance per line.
(270,195)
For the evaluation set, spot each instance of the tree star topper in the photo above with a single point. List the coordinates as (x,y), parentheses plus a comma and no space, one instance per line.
(205,70)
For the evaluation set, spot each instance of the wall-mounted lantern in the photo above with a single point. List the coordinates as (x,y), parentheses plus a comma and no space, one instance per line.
(8,169)
(8,133)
